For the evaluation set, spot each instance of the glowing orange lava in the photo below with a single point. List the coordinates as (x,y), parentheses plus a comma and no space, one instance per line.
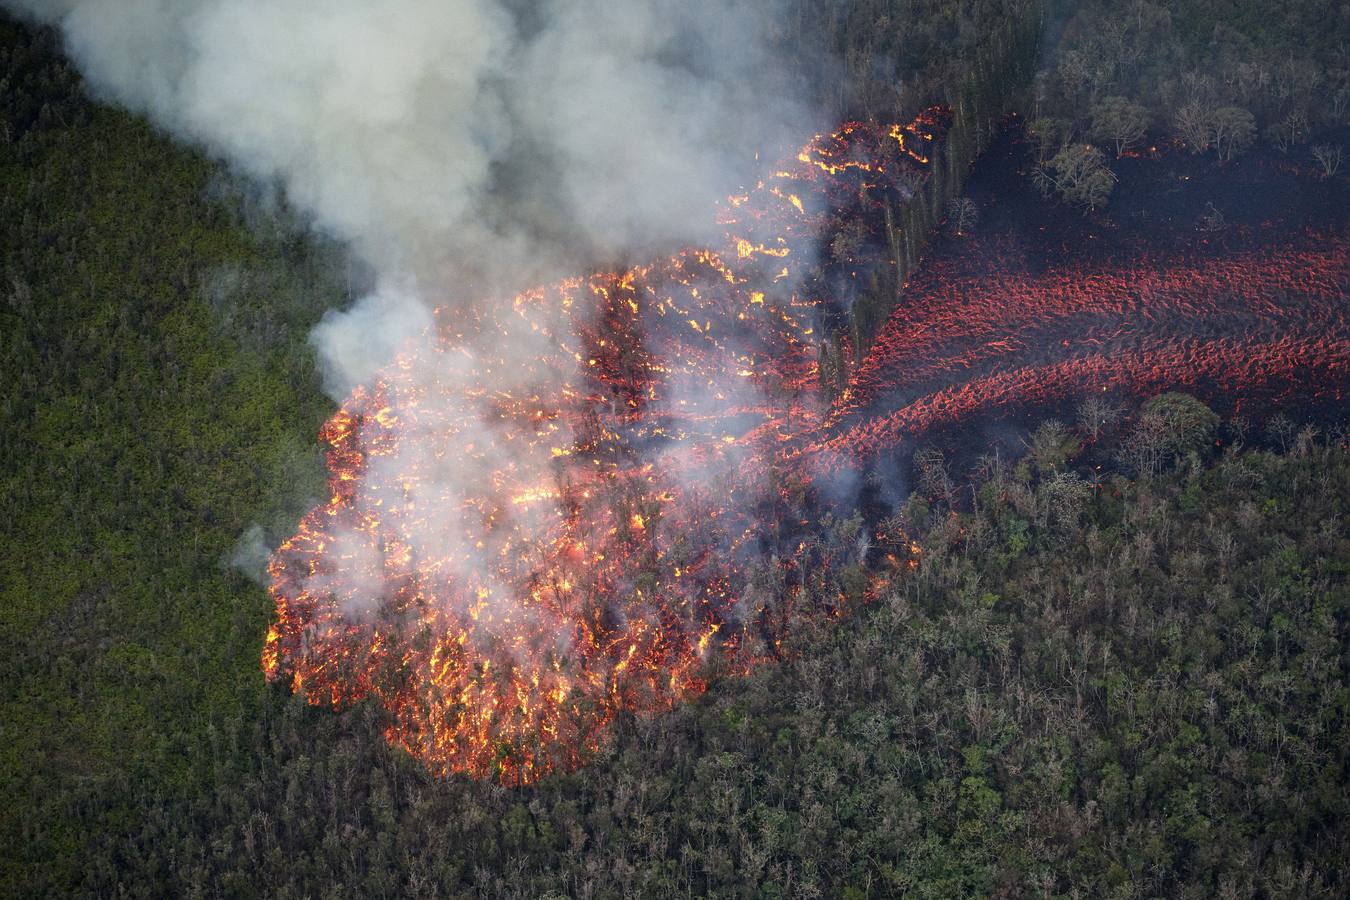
(543,517)
(976,335)
(559,509)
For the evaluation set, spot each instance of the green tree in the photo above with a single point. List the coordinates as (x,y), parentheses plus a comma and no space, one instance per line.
(1052,445)
(1079,175)
(1188,423)
(1120,121)
(1049,134)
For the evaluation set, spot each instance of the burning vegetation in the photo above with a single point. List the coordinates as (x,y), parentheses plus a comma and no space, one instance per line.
(518,546)
(589,499)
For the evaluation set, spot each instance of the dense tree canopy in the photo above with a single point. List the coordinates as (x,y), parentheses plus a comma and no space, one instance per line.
(1119,121)
(1078,174)
(1128,690)
(1210,73)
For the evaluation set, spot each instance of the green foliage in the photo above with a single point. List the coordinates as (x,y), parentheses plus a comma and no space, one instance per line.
(1118,120)
(1078,174)
(1050,135)
(1052,445)
(1151,704)
(1189,423)
(1213,73)
(1232,130)
(1135,689)
(158,397)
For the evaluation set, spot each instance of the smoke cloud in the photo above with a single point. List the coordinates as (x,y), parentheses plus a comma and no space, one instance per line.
(251,553)
(464,148)
(487,481)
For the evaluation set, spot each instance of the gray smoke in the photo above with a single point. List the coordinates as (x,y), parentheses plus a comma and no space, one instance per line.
(463,147)
(465,150)
(251,553)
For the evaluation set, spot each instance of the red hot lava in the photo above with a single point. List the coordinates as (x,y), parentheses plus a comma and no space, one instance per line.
(549,514)
(516,547)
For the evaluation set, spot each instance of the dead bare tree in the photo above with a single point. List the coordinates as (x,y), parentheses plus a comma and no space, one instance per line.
(1096,413)
(1289,132)
(1145,449)
(1211,220)
(1191,124)
(962,215)
(1282,430)
(1329,157)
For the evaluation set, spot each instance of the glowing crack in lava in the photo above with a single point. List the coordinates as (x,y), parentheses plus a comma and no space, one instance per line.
(565,507)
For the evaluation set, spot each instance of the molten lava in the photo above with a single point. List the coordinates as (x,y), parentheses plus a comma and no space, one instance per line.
(543,517)
(546,513)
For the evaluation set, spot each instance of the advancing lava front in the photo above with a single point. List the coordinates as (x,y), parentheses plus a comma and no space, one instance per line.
(545,513)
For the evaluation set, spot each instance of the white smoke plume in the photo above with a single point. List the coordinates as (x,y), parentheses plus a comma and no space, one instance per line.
(251,553)
(467,150)
(463,147)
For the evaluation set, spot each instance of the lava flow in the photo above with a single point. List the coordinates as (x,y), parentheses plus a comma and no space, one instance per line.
(978,336)
(518,546)
(569,505)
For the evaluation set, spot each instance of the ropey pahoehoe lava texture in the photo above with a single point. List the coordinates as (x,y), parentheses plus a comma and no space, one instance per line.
(551,511)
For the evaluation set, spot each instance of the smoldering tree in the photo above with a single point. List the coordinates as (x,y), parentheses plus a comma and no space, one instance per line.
(1051,446)
(848,241)
(934,479)
(962,215)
